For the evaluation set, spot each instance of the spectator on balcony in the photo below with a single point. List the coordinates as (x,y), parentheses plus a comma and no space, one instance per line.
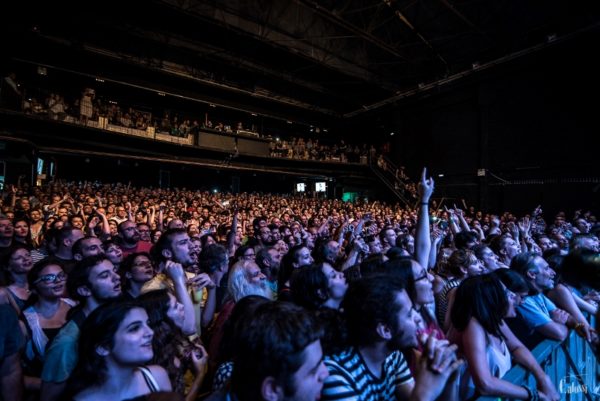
(165,124)
(184,129)
(85,105)
(56,107)
(125,121)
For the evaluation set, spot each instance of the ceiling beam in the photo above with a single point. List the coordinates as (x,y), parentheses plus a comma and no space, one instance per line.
(275,36)
(329,16)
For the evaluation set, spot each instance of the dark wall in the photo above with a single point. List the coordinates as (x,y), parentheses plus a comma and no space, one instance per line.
(532,124)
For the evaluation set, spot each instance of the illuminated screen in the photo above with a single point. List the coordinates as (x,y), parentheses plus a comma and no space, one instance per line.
(40,166)
(320,187)
(301,187)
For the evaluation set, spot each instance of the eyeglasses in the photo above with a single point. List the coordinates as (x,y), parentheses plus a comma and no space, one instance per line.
(51,278)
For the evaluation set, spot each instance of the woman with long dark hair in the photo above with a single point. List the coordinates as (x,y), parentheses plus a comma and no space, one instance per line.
(318,286)
(480,306)
(114,345)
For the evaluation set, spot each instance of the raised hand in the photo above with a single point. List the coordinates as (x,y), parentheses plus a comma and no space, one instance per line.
(437,363)
(546,389)
(426,186)
(200,281)
(524,226)
(174,270)
(199,360)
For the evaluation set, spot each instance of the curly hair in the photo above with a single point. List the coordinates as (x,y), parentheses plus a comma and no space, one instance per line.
(168,342)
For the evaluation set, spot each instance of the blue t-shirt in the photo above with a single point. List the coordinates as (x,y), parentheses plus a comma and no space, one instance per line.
(535,310)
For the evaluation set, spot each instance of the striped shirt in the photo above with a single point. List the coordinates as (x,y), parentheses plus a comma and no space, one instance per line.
(350,379)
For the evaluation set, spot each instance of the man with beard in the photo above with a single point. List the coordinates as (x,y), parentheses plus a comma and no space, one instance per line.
(269,262)
(144,231)
(93,282)
(129,239)
(245,278)
(264,237)
(387,238)
(86,246)
(174,253)
(381,322)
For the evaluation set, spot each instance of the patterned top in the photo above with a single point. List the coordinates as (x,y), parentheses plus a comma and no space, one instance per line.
(350,378)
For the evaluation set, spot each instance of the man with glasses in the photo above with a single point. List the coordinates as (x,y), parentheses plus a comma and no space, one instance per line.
(121,214)
(129,239)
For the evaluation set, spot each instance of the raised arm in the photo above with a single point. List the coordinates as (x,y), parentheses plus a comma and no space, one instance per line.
(176,273)
(422,237)
(232,234)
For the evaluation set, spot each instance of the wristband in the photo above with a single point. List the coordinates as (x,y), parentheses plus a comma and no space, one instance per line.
(424,203)
(532,393)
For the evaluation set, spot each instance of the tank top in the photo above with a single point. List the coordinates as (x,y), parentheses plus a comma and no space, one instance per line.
(499,362)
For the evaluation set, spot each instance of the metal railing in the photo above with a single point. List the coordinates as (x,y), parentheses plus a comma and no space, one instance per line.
(571,366)
(388,176)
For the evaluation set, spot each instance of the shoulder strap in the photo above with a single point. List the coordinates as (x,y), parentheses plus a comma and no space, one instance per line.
(149,378)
